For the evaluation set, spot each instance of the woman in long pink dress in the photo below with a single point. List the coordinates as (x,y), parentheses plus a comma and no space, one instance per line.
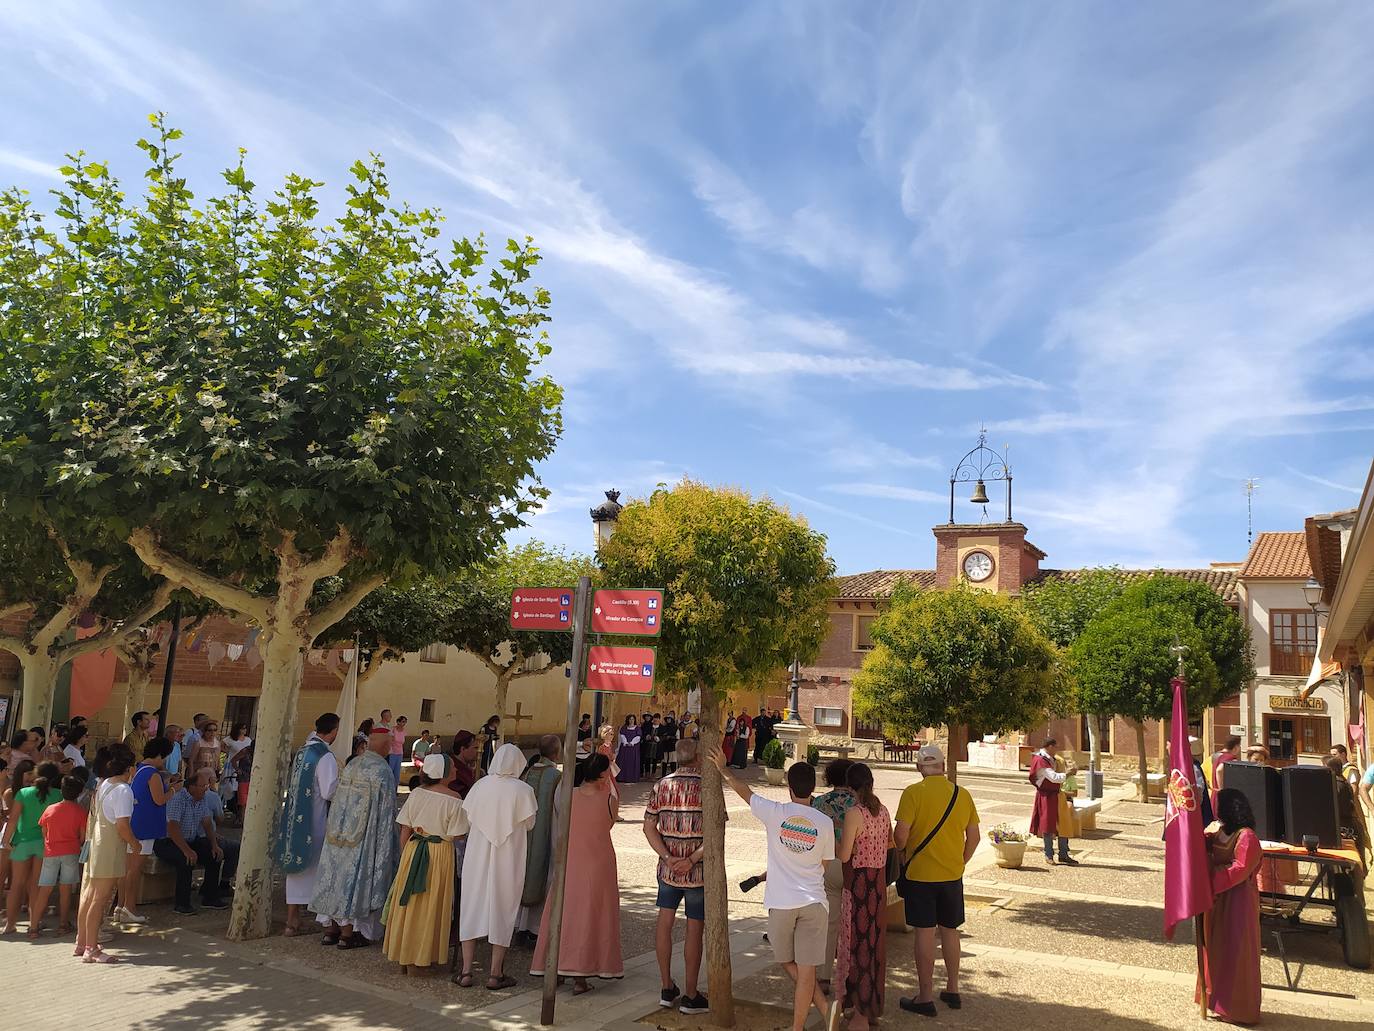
(1232,927)
(861,953)
(589,945)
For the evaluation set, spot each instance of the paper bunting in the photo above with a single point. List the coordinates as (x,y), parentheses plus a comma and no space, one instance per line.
(215,653)
(254,658)
(316,656)
(252,637)
(347,656)
(235,651)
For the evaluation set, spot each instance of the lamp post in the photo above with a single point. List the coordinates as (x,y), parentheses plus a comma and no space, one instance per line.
(794,707)
(1312,594)
(604,516)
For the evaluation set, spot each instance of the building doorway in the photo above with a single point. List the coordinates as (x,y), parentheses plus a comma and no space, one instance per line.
(240,709)
(1291,736)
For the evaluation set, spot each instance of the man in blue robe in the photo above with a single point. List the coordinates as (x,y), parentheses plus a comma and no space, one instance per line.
(360,851)
(314,779)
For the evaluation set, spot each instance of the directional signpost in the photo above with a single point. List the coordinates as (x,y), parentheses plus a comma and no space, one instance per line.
(541,608)
(607,668)
(622,670)
(627,612)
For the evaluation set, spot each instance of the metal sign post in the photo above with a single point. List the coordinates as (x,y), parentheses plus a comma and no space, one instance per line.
(554,934)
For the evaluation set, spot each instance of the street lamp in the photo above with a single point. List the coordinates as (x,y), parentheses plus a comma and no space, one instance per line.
(604,516)
(1312,592)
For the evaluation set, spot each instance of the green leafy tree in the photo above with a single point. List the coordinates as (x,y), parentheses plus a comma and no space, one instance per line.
(479,619)
(1062,607)
(47,587)
(258,401)
(395,619)
(1124,667)
(747,587)
(953,658)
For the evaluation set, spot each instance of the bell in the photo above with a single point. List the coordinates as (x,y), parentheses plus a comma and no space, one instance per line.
(980,494)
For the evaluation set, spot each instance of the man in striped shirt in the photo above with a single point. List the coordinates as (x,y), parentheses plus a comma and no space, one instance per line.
(672,823)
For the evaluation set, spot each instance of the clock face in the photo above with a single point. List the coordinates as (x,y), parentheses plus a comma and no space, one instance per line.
(978,566)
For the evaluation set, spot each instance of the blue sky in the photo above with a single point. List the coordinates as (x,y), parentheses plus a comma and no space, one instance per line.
(809,248)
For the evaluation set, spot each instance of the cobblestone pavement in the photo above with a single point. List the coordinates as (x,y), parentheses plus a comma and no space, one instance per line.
(1045,947)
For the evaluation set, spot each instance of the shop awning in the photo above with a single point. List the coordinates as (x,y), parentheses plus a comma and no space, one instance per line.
(1321,671)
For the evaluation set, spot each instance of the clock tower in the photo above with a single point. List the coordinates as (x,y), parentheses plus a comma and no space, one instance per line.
(984,555)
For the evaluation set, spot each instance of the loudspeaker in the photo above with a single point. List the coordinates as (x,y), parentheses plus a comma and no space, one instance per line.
(1309,805)
(1260,786)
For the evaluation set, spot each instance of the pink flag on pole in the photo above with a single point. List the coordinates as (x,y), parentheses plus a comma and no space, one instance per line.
(1187,871)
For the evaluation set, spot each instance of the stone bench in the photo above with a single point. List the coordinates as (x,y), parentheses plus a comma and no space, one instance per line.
(1154,785)
(839,751)
(1085,812)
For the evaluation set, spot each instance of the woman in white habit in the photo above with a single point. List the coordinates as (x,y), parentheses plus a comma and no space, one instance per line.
(501,809)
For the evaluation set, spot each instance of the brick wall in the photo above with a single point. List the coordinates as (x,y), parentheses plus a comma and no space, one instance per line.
(829,692)
(838,647)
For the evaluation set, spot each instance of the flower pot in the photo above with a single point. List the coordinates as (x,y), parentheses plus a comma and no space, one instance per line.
(1010,854)
(775,776)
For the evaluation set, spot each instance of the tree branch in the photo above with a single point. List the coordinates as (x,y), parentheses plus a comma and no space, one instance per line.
(334,557)
(88,583)
(532,672)
(342,605)
(497,669)
(124,629)
(17,645)
(15,609)
(184,574)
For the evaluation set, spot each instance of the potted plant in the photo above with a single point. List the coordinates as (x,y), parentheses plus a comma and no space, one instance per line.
(774,761)
(1009,844)
(813,755)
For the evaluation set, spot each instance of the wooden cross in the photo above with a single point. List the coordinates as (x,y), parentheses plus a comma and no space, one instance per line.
(518,715)
(1179,649)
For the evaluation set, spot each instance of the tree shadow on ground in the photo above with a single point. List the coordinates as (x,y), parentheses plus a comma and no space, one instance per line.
(994,997)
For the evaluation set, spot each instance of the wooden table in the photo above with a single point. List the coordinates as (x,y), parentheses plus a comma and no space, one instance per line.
(1337,884)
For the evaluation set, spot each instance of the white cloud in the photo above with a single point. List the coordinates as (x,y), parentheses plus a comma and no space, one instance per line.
(811,504)
(24,163)
(888,491)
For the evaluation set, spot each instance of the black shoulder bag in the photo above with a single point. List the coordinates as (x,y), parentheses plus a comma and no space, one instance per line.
(898,863)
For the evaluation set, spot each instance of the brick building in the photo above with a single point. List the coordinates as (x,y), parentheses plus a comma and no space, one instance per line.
(986,556)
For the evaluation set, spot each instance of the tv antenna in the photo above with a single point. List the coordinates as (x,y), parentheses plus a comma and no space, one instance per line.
(1250,484)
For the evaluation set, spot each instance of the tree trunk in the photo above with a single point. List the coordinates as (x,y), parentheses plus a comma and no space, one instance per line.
(502,689)
(40,687)
(1094,741)
(719,975)
(957,732)
(1141,764)
(283,648)
(136,691)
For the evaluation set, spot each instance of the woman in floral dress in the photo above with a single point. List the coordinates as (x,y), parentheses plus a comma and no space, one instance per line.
(861,956)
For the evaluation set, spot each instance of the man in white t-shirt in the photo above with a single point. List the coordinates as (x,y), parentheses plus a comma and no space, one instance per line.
(801,841)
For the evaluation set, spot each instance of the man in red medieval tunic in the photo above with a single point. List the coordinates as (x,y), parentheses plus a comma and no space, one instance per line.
(1045,815)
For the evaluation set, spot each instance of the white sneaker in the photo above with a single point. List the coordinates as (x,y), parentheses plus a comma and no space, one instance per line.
(125,917)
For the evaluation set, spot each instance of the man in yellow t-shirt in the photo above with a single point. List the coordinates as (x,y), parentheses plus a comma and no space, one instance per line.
(935,895)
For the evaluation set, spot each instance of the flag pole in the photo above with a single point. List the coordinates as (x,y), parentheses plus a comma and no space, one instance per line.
(1200,937)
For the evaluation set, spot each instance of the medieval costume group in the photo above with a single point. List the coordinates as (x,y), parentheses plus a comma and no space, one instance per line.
(466,850)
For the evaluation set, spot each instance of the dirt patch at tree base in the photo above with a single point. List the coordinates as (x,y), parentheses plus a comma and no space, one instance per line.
(749,1016)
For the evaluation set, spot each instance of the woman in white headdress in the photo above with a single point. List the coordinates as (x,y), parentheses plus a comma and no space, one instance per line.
(419,909)
(501,809)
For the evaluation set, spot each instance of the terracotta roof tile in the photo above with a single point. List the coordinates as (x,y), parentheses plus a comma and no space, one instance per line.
(1324,552)
(1278,556)
(1223,581)
(880,583)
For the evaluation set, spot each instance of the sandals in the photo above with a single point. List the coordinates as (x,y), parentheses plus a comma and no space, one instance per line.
(495,984)
(582,989)
(330,938)
(462,980)
(98,955)
(353,941)
(290,930)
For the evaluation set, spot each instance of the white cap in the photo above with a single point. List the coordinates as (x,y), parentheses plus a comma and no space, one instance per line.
(930,754)
(434,766)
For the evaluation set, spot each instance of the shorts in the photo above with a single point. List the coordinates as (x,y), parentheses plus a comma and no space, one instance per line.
(22,850)
(59,870)
(929,903)
(145,847)
(799,935)
(670,897)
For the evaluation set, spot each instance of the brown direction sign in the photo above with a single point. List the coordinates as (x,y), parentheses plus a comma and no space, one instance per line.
(638,612)
(620,669)
(541,608)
